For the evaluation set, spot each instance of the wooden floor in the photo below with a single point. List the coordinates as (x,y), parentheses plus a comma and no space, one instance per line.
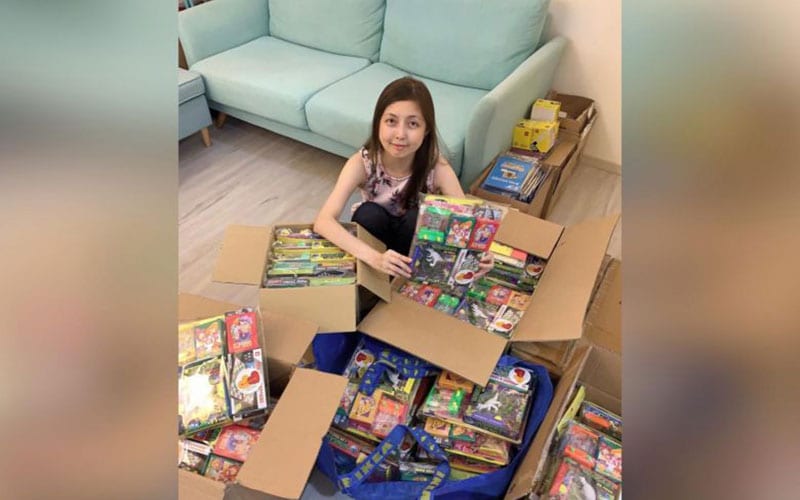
(255,177)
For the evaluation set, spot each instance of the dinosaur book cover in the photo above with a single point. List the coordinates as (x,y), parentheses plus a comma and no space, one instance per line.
(499,409)
(432,263)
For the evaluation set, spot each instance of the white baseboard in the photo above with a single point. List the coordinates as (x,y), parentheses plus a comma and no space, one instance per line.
(608,166)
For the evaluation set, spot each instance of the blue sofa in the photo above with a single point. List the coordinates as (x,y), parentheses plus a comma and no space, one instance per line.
(312,69)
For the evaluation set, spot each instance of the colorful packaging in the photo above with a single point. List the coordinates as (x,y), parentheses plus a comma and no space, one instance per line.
(235,441)
(242,328)
(609,459)
(459,231)
(600,419)
(580,443)
(208,337)
(432,263)
(248,384)
(202,398)
(222,469)
(499,409)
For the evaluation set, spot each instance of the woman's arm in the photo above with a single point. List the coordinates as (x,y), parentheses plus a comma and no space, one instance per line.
(444,178)
(327,223)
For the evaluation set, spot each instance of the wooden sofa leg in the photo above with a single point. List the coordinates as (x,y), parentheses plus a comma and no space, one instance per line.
(220,119)
(206,136)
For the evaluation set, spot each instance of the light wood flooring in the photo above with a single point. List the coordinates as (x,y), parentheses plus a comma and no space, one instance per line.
(252,176)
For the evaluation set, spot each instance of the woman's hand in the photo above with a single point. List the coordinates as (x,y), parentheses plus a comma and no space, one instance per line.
(393,264)
(485,265)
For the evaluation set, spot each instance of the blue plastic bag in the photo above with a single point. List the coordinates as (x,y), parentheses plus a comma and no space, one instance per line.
(485,486)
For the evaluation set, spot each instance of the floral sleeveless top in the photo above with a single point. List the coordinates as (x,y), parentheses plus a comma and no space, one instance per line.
(384,189)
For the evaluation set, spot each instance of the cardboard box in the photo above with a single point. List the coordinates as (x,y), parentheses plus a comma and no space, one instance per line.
(535,135)
(583,366)
(281,461)
(574,111)
(556,312)
(243,258)
(561,159)
(283,458)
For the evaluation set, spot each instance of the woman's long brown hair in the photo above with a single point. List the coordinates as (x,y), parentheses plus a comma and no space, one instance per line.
(409,89)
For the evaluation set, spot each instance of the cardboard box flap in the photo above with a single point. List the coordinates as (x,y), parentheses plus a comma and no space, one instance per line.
(528,233)
(193,486)
(435,337)
(192,307)
(286,338)
(285,454)
(243,255)
(560,152)
(525,478)
(604,319)
(372,279)
(558,306)
(332,308)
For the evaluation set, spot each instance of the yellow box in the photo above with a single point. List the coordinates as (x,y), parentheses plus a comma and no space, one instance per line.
(535,135)
(545,111)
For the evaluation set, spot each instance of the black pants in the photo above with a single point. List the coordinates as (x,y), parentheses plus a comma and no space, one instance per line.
(395,232)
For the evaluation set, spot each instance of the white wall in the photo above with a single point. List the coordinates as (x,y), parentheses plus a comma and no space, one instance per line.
(592,66)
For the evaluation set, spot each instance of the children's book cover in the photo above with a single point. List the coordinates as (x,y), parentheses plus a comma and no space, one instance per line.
(499,409)
(222,469)
(202,398)
(580,444)
(208,337)
(235,442)
(432,263)
(186,352)
(609,458)
(248,391)
(509,173)
(242,330)
(476,312)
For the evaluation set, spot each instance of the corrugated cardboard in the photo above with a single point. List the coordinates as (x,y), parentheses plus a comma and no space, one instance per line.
(591,365)
(193,486)
(556,312)
(243,259)
(558,160)
(284,455)
(531,469)
(282,460)
(435,337)
(575,110)
(603,374)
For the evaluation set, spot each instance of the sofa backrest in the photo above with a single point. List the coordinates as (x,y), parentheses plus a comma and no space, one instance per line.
(474,43)
(347,27)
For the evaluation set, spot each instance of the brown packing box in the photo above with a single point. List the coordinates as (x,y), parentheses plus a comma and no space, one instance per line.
(556,312)
(575,110)
(243,259)
(561,159)
(602,335)
(281,461)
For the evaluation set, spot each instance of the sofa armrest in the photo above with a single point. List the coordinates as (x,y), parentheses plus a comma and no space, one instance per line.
(214,27)
(492,123)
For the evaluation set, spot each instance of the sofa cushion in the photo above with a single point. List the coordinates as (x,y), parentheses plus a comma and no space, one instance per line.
(477,43)
(190,85)
(351,28)
(273,78)
(343,111)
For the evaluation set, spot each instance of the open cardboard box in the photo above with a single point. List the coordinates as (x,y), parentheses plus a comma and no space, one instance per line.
(283,458)
(243,259)
(561,158)
(588,366)
(556,311)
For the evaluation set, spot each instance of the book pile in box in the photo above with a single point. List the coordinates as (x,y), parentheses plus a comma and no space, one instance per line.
(479,428)
(588,461)
(516,176)
(300,257)
(222,392)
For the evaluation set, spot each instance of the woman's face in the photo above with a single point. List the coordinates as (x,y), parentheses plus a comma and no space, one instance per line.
(402,129)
